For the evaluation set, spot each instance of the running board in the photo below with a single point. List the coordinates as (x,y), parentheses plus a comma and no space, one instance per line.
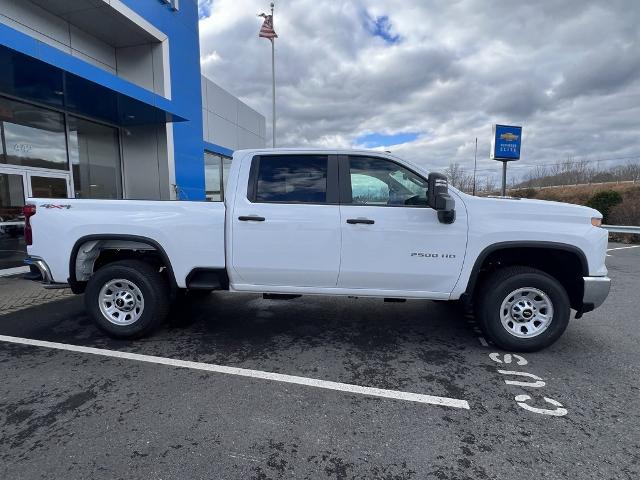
(279,296)
(55,286)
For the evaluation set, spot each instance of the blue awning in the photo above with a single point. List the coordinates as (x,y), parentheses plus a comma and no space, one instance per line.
(29,78)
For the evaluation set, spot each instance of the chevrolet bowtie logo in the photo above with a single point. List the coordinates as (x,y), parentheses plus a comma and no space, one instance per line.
(509,137)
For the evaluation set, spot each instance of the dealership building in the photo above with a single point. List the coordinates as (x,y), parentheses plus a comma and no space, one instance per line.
(104,99)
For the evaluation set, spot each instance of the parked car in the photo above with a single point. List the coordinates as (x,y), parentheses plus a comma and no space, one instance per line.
(329,222)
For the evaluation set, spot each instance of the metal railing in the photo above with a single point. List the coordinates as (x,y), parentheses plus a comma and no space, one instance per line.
(622,229)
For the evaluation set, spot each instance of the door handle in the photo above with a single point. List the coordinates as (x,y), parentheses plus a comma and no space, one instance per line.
(251,218)
(364,221)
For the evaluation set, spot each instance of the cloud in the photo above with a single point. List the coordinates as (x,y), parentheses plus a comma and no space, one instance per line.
(568,72)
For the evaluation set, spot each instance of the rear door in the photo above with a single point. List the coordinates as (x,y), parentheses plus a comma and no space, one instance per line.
(391,239)
(286,229)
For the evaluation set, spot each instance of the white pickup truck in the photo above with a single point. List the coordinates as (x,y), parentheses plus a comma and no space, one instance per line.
(328,222)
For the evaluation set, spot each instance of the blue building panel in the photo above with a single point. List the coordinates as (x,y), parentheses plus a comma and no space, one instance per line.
(213,148)
(181,26)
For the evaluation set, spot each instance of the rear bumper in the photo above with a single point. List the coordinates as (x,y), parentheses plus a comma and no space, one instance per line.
(596,290)
(43,268)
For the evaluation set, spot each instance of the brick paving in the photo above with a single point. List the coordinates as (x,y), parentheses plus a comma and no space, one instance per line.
(16,293)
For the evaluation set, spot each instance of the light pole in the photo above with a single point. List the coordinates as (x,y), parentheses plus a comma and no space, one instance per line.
(475,164)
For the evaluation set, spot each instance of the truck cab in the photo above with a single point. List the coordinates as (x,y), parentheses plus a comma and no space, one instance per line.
(340,224)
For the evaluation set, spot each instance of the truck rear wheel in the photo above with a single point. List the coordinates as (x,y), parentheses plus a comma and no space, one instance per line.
(522,309)
(127,299)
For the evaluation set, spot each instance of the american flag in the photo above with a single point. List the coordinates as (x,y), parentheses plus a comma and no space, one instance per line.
(267,31)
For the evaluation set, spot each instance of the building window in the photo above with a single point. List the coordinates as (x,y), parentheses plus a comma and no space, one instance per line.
(94,151)
(216,173)
(32,136)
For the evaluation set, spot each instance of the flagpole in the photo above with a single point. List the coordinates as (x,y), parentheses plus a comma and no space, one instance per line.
(273,80)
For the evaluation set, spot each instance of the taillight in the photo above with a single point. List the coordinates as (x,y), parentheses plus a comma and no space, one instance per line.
(28,211)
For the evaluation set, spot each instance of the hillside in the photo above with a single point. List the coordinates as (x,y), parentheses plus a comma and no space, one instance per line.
(578,194)
(618,202)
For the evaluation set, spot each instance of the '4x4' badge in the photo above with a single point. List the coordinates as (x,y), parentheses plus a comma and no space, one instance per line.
(52,205)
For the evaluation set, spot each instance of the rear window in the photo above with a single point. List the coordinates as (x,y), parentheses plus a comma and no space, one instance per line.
(292,179)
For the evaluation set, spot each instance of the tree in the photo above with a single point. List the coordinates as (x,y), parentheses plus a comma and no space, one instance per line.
(458,177)
(604,202)
(489,184)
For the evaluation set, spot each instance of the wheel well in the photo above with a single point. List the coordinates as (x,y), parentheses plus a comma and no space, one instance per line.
(91,253)
(565,265)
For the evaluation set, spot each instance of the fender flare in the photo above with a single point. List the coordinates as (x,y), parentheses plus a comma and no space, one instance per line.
(74,284)
(475,271)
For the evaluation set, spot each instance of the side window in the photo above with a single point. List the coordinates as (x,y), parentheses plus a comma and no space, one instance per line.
(376,181)
(292,178)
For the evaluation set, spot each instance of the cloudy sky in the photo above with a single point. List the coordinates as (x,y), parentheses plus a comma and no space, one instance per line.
(425,78)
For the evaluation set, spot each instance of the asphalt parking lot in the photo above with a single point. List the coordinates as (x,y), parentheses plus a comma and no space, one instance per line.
(571,411)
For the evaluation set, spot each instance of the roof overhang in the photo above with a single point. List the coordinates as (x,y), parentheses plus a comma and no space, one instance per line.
(79,87)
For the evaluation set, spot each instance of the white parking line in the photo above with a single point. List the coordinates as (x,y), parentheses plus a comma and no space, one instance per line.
(622,248)
(243,372)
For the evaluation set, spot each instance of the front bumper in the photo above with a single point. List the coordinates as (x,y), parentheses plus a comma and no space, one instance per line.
(596,290)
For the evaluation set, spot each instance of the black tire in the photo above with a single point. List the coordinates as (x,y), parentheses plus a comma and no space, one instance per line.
(496,289)
(152,286)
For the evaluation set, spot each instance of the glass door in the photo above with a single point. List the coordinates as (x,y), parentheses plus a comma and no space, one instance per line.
(48,185)
(13,186)
(16,185)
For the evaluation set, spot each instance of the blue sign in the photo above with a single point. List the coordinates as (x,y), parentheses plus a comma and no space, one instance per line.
(506,142)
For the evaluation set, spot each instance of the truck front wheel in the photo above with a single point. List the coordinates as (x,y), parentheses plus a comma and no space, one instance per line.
(127,299)
(522,309)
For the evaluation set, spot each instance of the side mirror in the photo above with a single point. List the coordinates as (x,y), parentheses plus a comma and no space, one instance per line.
(439,198)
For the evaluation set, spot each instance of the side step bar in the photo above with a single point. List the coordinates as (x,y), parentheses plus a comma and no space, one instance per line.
(279,296)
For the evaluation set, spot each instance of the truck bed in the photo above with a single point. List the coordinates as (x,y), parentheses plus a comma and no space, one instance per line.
(190,233)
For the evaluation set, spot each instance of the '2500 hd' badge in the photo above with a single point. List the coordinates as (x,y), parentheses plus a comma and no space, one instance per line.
(433,255)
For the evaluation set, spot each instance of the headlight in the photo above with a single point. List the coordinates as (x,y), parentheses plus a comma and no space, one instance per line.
(596,222)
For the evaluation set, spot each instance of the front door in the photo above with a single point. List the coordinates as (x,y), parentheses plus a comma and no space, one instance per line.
(286,231)
(391,239)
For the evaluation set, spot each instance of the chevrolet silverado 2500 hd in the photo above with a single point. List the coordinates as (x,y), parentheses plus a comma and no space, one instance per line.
(328,222)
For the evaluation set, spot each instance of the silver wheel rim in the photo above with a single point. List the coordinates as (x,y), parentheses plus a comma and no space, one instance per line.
(526,312)
(121,302)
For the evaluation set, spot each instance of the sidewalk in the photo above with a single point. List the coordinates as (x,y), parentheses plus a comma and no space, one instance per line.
(16,293)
